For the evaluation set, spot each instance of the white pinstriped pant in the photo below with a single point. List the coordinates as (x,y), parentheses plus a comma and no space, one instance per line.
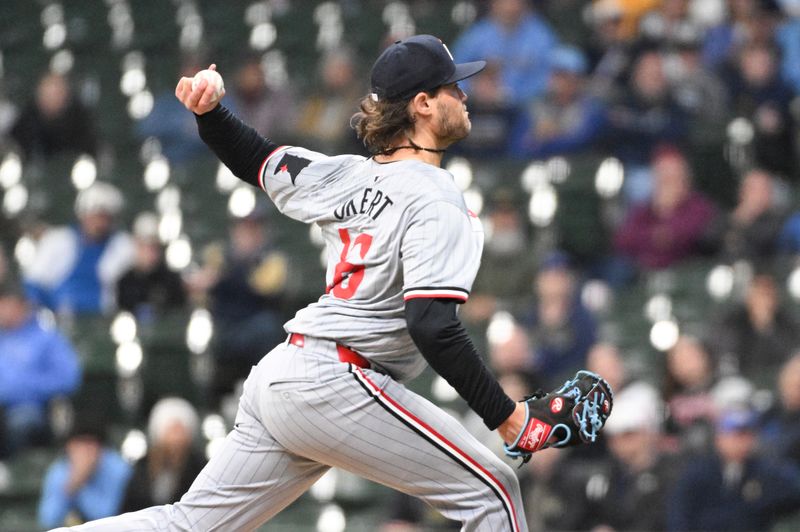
(303,411)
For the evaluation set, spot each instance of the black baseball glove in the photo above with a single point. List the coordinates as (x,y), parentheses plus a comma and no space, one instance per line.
(570,415)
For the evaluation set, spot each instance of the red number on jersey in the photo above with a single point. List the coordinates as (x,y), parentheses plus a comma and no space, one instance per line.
(347,276)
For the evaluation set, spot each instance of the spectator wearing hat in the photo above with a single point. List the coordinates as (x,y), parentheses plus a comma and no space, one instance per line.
(734,488)
(515,38)
(566,119)
(172,462)
(243,282)
(37,364)
(149,288)
(87,483)
(76,267)
(636,474)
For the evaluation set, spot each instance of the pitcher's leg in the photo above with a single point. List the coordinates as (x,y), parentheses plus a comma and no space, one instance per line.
(370,425)
(248,481)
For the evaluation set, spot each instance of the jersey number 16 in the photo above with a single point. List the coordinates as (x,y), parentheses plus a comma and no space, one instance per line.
(347,276)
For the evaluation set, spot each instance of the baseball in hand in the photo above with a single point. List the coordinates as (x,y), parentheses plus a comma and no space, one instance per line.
(214,80)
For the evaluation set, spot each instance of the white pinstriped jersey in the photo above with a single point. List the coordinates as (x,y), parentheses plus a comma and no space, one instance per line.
(393,231)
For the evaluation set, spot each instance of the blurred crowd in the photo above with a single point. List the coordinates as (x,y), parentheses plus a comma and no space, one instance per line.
(696,101)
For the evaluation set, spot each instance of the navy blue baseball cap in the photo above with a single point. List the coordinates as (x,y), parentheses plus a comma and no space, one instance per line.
(419,63)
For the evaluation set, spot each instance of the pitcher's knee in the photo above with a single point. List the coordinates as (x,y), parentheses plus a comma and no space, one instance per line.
(501,501)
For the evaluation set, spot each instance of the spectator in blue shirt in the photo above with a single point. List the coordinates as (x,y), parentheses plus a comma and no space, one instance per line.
(76,267)
(87,483)
(734,488)
(516,39)
(566,120)
(787,38)
(36,365)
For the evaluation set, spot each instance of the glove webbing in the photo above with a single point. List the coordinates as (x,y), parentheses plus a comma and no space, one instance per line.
(589,420)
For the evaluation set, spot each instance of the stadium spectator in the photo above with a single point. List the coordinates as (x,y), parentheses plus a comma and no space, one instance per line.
(636,475)
(787,38)
(172,463)
(689,377)
(243,281)
(750,232)
(497,122)
(642,118)
(510,354)
(789,237)
(605,358)
(507,263)
(76,267)
(760,95)
(323,118)
(561,329)
(87,483)
(628,12)
(566,120)
(514,37)
(37,364)
(733,488)
(746,23)
(671,226)
(698,91)
(667,25)
(54,122)
(780,426)
(756,337)
(610,49)
(169,123)
(269,106)
(149,288)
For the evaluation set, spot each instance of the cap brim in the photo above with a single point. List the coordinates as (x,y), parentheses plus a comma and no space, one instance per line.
(465,70)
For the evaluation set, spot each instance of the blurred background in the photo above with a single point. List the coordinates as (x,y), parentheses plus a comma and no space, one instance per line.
(635,166)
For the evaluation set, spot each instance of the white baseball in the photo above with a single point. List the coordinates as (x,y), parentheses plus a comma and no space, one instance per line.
(214,80)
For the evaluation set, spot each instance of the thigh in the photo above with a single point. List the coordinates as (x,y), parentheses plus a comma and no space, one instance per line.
(369,424)
(247,482)
(250,479)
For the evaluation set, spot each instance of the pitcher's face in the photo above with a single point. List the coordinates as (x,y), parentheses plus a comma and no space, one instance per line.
(453,120)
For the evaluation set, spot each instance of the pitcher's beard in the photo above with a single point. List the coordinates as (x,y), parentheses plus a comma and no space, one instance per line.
(453,128)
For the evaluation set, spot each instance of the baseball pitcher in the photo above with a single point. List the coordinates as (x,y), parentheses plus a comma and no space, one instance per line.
(402,252)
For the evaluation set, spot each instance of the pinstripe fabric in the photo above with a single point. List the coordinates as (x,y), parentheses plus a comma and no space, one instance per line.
(403,225)
(301,412)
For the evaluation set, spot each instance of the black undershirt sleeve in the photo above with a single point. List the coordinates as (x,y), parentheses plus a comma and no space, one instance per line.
(236,144)
(445,344)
